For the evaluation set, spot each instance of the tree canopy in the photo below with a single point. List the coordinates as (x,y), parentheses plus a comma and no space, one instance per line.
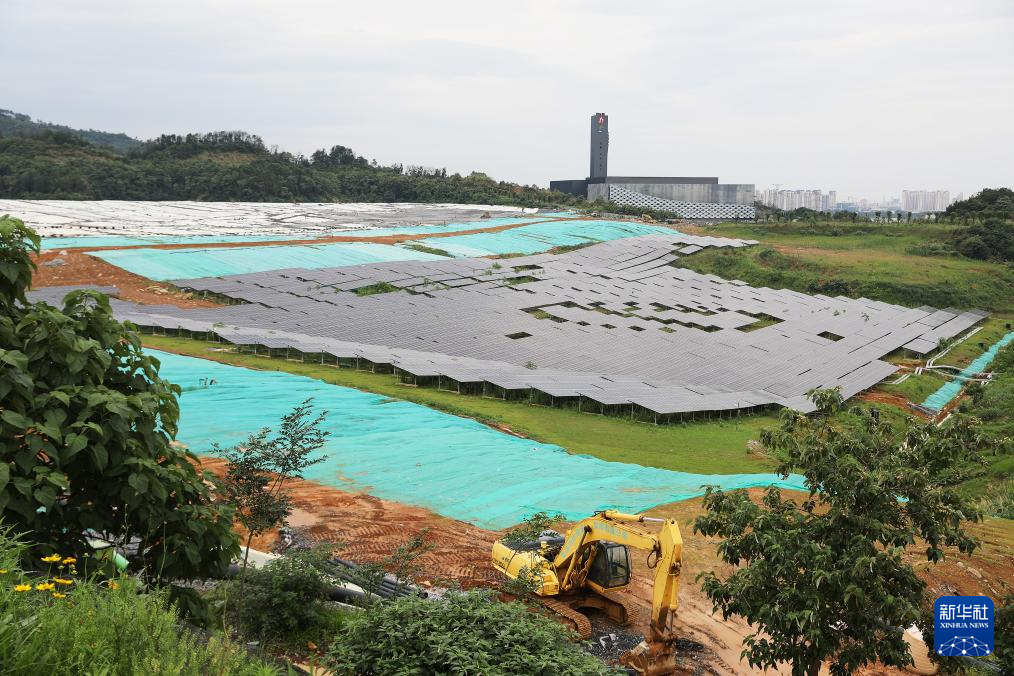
(19,124)
(823,578)
(993,239)
(990,202)
(233,166)
(86,431)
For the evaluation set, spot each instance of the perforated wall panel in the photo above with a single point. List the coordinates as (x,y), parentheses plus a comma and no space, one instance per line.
(685,209)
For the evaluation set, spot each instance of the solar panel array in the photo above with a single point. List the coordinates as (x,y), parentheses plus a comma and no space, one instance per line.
(616,323)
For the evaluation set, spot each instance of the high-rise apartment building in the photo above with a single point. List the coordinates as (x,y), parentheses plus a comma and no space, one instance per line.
(925,201)
(788,200)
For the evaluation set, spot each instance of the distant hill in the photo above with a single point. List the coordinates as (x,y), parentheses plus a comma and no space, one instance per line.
(53,163)
(18,124)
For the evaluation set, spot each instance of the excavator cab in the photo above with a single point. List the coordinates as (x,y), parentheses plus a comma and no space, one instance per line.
(610,569)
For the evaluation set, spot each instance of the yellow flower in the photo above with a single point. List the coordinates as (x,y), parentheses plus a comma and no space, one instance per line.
(60,580)
(58,595)
(113,584)
(69,560)
(45,586)
(52,558)
(22,587)
(3,571)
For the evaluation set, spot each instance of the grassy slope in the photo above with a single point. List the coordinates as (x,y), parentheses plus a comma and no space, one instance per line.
(993,329)
(876,264)
(705,447)
(916,387)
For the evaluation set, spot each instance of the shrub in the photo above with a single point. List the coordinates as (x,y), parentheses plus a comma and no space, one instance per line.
(999,500)
(831,286)
(930,249)
(992,239)
(463,633)
(102,629)
(278,601)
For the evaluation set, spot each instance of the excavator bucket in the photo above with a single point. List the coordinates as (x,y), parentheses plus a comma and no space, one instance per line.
(655,657)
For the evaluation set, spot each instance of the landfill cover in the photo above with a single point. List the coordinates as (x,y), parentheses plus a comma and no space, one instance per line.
(537,237)
(411,454)
(166,264)
(948,391)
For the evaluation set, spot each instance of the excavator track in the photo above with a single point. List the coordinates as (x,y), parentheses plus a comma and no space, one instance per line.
(575,619)
(631,610)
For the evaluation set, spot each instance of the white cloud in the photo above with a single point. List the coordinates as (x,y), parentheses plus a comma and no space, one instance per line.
(863,97)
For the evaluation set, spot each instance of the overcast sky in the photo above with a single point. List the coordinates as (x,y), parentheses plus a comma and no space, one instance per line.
(866,97)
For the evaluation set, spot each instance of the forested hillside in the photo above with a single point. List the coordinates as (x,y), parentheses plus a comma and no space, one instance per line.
(989,203)
(226,166)
(18,124)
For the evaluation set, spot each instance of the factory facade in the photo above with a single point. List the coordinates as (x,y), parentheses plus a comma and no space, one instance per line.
(696,197)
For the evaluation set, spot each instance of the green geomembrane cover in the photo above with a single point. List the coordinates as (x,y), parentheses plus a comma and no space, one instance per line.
(167,264)
(405,452)
(538,237)
(948,391)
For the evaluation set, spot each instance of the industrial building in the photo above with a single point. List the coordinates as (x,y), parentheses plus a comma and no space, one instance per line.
(693,197)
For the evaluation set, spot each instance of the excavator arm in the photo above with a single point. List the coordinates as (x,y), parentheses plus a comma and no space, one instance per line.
(665,554)
(654,655)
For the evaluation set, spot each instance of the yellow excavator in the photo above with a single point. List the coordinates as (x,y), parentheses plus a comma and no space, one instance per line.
(581,569)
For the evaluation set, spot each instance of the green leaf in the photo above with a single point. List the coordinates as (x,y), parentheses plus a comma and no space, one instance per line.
(45,495)
(74,444)
(138,482)
(100,455)
(15,419)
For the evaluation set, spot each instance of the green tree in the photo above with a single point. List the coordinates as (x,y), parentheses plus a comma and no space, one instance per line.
(257,470)
(86,426)
(823,579)
(991,239)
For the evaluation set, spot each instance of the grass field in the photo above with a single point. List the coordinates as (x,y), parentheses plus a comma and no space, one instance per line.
(993,329)
(883,262)
(916,388)
(716,447)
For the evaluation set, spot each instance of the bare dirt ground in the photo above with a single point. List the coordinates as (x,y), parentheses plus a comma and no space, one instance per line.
(78,268)
(896,400)
(370,529)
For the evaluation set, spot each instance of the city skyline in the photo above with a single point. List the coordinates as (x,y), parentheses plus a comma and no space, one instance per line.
(916,201)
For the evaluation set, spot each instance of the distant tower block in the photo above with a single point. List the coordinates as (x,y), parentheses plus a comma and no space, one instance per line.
(599,145)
